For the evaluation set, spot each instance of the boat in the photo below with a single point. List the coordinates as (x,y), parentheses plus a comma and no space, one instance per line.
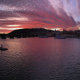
(59,37)
(1,48)
(42,36)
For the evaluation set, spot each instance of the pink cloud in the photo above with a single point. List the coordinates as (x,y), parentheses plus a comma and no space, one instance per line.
(67,1)
(78,5)
(40,13)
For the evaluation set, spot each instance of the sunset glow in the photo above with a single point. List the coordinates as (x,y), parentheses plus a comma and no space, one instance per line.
(13,25)
(50,14)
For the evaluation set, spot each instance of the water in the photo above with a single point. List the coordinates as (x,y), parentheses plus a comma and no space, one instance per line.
(40,59)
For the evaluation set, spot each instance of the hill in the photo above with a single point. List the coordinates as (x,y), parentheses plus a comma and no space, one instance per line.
(29,32)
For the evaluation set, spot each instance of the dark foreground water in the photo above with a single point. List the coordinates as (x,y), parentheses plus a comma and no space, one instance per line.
(40,59)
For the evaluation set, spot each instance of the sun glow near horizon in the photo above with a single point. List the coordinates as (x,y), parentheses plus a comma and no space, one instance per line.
(13,25)
(54,14)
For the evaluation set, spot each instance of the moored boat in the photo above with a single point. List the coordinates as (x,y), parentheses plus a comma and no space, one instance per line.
(59,37)
(42,36)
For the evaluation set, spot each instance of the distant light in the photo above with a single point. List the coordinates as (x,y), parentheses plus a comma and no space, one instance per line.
(52,29)
(56,28)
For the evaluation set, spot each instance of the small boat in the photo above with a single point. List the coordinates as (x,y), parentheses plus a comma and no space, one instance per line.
(42,36)
(59,37)
(1,48)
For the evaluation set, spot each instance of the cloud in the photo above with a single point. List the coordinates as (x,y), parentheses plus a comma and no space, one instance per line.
(5,14)
(78,5)
(67,1)
(34,13)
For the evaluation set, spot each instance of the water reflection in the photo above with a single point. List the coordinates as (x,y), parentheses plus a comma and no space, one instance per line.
(40,59)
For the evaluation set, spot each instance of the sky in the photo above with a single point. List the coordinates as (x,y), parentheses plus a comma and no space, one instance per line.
(49,14)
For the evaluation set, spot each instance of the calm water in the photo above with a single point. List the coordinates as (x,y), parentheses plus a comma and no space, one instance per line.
(40,59)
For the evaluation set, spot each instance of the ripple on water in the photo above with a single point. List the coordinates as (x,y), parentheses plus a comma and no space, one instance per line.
(40,59)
